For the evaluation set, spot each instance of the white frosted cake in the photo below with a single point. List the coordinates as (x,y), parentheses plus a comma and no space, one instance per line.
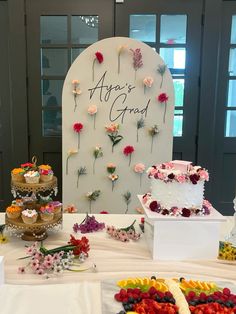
(177,188)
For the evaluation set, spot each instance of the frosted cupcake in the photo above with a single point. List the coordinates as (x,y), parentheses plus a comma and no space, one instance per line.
(32,176)
(17,174)
(13,211)
(57,206)
(46,173)
(46,213)
(29,216)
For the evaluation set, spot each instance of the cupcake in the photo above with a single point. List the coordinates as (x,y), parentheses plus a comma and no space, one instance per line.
(46,175)
(46,213)
(13,212)
(17,174)
(18,202)
(29,216)
(29,201)
(32,176)
(57,207)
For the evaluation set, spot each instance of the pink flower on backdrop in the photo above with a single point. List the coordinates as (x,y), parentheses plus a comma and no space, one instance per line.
(21,270)
(203,175)
(92,109)
(139,168)
(147,83)
(180,179)
(103,212)
(112,128)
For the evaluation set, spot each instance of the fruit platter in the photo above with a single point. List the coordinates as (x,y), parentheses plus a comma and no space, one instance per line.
(144,295)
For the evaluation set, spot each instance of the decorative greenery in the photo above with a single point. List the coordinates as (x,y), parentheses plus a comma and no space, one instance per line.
(140,124)
(92,197)
(153,131)
(127,199)
(161,70)
(81,171)
(97,153)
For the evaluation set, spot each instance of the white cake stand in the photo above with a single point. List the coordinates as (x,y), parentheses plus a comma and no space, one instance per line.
(232,235)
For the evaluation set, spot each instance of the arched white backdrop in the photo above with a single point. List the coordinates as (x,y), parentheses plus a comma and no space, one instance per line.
(121,97)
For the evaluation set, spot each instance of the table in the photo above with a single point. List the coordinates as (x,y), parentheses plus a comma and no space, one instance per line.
(81,292)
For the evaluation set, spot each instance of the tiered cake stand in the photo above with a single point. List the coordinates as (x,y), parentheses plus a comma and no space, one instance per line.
(38,230)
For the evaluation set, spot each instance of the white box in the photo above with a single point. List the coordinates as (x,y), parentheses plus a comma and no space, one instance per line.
(182,238)
(2,281)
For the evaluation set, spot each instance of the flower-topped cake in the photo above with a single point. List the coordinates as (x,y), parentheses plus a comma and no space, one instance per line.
(177,189)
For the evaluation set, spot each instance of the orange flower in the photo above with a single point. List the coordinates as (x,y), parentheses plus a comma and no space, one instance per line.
(17,171)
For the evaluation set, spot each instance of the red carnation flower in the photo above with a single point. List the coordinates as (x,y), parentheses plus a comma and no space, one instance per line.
(78,127)
(162,97)
(99,56)
(81,245)
(128,150)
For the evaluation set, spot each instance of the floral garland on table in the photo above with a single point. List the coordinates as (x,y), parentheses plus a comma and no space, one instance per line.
(123,234)
(167,173)
(89,224)
(152,204)
(51,262)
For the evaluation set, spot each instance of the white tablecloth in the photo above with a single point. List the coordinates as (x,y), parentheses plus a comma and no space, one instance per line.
(81,292)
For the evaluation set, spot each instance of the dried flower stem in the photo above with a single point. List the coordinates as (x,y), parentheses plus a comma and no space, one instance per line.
(75,96)
(164,117)
(78,140)
(119,62)
(67,166)
(94,121)
(130,155)
(140,180)
(90,206)
(93,68)
(152,143)
(94,165)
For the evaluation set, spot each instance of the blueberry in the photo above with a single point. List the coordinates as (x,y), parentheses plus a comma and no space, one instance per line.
(153,277)
(172,300)
(139,299)
(128,307)
(131,300)
(166,299)
(122,312)
(192,303)
(158,299)
(209,300)
(124,303)
(229,303)
(219,301)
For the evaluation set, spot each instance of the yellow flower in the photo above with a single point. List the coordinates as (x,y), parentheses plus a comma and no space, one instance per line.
(18,171)
(3,239)
(45,167)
